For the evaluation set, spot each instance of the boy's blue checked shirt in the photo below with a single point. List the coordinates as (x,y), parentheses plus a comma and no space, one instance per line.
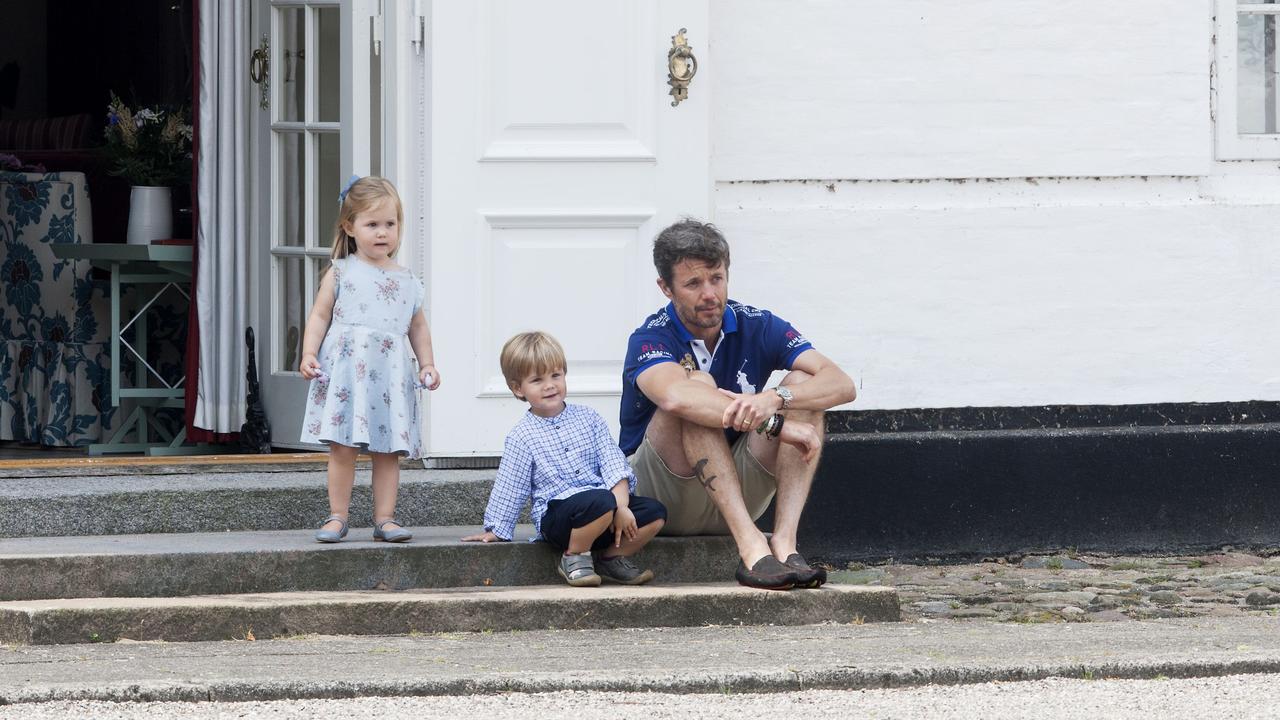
(552,459)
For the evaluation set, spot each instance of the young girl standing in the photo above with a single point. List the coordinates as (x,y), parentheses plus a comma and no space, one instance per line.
(363,392)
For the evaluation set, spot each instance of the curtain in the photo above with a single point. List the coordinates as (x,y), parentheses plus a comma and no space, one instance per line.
(222,236)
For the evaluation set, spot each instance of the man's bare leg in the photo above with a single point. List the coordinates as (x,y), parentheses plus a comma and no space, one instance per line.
(795,477)
(689,449)
(793,474)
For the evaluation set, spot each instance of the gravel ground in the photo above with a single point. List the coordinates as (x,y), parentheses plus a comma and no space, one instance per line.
(1082,588)
(1239,697)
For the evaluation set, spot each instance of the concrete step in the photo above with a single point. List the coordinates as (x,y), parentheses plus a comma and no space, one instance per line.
(213,501)
(183,564)
(284,615)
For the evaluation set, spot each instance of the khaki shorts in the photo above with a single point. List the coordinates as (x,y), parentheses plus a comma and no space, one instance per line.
(689,509)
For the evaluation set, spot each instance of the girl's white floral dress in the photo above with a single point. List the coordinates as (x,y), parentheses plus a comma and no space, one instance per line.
(368,394)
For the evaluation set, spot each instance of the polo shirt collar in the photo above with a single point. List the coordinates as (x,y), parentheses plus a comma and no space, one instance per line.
(729,325)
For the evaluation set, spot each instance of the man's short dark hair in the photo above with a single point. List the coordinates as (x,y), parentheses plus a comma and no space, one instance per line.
(688,239)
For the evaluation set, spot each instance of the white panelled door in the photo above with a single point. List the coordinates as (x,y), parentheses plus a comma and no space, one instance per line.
(556,156)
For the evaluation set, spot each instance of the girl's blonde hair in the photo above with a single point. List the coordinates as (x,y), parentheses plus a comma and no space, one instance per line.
(364,194)
(529,353)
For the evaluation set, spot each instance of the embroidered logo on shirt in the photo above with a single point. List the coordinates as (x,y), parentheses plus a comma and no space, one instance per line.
(743,383)
(795,339)
(652,351)
(687,363)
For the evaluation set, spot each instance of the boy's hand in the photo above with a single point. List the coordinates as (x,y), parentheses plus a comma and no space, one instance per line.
(486,536)
(624,523)
(746,412)
(802,436)
(429,377)
(310,366)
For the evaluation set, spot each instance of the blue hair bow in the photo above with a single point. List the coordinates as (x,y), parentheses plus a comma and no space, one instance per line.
(342,196)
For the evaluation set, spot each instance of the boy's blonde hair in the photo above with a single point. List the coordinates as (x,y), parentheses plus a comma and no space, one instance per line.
(363,194)
(529,353)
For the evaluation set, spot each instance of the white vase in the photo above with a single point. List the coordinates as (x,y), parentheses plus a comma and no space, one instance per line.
(150,214)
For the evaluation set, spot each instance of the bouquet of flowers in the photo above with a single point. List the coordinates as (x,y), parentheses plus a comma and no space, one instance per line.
(150,146)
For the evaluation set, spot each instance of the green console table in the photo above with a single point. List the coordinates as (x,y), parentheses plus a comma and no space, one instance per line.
(152,270)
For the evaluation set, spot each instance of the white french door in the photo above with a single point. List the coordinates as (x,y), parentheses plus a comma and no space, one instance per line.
(555,156)
(318,98)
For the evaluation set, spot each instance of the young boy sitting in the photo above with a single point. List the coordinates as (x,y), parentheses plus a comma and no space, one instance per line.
(563,457)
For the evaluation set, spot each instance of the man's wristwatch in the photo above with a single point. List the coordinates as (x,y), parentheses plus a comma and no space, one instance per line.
(785,394)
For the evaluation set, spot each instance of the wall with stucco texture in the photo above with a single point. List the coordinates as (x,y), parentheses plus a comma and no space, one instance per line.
(996,203)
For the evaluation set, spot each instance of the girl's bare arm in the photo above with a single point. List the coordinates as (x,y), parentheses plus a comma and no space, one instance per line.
(317,325)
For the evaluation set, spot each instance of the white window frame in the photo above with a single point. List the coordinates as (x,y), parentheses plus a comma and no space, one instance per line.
(1231,144)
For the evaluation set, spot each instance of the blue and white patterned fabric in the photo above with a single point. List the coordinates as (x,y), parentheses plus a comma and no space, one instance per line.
(55,386)
(552,459)
(368,395)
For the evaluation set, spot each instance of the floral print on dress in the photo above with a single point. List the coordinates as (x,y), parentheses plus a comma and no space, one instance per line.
(368,398)
(387,289)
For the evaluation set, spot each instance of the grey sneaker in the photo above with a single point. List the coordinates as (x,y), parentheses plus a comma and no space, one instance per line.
(578,570)
(621,570)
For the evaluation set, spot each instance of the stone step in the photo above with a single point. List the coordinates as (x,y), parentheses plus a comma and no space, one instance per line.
(285,615)
(212,501)
(183,564)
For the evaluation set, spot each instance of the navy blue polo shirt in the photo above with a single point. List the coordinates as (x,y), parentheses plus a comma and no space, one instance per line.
(755,343)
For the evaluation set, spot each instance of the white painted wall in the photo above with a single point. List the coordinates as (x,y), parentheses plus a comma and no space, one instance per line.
(996,202)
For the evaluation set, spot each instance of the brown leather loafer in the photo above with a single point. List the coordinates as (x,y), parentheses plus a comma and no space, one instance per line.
(766,574)
(806,577)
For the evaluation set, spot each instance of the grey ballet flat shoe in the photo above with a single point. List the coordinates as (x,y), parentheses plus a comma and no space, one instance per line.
(331,536)
(395,534)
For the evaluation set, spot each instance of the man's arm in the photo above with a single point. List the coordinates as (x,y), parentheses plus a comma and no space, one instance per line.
(669,386)
(829,386)
(826,387)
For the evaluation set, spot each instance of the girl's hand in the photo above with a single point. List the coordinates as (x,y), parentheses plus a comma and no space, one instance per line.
(429,377)
(485,537)
(310,366)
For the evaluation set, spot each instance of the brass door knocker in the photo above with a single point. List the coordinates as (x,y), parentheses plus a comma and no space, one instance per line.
(259,66)
(681,67)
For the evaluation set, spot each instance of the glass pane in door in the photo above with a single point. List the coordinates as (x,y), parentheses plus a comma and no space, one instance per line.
(328,184)
(292,309)
(290,205)
(375,111)
(290,74)
(328,78)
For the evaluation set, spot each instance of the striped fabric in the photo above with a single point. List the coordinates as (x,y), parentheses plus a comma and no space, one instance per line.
(58,133)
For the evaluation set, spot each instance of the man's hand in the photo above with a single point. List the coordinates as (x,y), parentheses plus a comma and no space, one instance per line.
(624,523)
(485,537)
(802,436)
(746,412)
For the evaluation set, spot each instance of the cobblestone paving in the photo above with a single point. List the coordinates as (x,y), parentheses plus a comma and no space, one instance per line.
(1069,587)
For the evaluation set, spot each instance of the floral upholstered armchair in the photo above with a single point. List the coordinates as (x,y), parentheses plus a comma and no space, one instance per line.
(55,359)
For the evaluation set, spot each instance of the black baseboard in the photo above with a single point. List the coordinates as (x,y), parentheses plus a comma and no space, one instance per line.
(979,482)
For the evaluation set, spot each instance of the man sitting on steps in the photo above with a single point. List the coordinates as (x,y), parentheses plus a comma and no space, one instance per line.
(704,438)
